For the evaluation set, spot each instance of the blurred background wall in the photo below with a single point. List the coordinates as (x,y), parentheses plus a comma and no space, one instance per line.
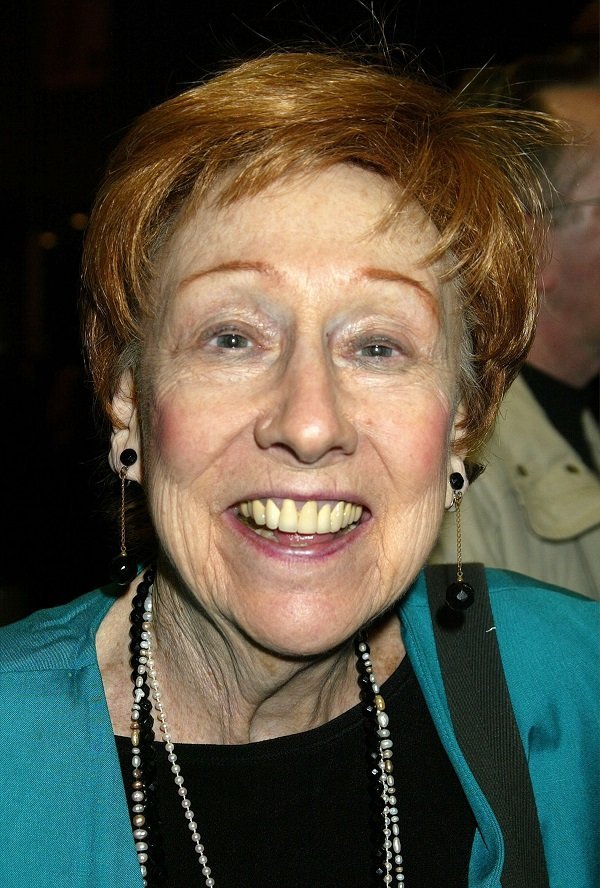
(74,74)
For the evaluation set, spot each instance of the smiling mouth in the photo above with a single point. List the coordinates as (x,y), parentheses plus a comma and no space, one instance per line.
(311,518)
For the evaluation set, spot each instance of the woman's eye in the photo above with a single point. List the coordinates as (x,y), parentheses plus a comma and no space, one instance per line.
(377,350)
(230,341)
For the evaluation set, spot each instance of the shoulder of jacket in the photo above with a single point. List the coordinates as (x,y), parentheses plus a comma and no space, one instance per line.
(549,615)
(55,638)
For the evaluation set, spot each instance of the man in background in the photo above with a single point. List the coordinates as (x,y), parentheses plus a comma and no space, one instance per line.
(536,508)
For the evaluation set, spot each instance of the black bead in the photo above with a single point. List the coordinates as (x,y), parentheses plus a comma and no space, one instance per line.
(123,569)
(365,692)
(459,596)
(457,482)
(138,604)
(128,457)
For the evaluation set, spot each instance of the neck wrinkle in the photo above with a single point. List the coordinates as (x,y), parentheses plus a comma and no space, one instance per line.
(217,691)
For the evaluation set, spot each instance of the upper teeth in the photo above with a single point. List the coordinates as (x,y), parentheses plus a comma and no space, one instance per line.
(309,517)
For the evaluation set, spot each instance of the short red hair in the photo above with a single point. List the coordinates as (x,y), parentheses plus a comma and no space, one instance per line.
(473,170)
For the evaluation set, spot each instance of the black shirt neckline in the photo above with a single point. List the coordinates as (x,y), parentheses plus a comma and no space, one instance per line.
(300,811)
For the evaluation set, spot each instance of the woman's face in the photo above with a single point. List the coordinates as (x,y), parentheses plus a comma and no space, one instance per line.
(301,358)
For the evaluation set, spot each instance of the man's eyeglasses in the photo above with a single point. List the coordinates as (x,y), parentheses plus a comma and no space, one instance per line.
(575,210)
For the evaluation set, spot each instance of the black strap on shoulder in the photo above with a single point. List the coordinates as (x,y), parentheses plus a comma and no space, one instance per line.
(484,721)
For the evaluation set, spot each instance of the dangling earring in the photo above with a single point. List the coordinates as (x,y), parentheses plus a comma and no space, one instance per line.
(459,595)
(123,568)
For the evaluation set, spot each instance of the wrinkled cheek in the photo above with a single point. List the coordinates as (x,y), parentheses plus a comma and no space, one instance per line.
(178,441)
(177,480)
(421,442)
(432,442)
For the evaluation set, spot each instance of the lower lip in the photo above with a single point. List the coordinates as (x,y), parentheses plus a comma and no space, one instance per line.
(313,546)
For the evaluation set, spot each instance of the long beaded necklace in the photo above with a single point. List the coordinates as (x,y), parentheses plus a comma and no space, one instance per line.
(146,694)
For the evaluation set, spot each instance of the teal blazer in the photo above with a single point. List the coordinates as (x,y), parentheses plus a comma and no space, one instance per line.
(63,812)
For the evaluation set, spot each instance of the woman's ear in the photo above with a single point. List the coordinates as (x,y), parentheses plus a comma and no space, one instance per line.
(127,433)
(457,432)
(456,456)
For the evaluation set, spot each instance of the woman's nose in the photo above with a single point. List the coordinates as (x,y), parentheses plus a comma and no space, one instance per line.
(305,416)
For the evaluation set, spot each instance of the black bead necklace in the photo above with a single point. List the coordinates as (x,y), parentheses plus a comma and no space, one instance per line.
(144,815)
(388,865)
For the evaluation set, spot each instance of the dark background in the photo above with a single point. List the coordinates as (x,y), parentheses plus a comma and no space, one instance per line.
(74,74)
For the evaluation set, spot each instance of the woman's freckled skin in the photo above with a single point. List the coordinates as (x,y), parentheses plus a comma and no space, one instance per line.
(336,382)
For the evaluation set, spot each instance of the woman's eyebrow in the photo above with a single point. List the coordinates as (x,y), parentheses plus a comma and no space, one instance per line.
(372,273)
(233,265)
(368,273)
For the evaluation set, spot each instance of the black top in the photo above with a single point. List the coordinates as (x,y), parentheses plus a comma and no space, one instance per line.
(564,406)
(296,812)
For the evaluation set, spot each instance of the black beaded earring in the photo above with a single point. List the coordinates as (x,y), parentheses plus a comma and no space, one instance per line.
(123,568)
(459,595)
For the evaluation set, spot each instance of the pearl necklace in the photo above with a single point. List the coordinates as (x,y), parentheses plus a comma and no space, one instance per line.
(146,694)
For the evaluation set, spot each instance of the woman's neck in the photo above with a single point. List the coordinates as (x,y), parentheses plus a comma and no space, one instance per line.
(219,687)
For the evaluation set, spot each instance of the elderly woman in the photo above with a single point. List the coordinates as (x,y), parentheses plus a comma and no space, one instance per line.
(309,282)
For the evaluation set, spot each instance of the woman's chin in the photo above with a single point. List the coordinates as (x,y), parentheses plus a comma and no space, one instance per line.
(300,631)
(298,607)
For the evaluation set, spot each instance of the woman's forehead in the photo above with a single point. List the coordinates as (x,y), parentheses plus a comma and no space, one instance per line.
(313,213)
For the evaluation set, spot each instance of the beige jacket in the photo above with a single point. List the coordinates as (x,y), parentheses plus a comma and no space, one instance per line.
(536,508)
